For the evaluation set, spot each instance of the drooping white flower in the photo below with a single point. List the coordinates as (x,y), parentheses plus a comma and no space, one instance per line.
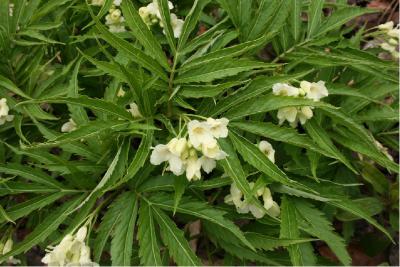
(193,167)
(213,151)
(284,89)
(267,149)
(218,127)
(176,25)
(288,113)
(4,249)
(134,110)
(208,164)
(314,91)
(154,9)
(121,92)
(69,126)
(71,251)
(200,133)
(4,110)
(394,33)
(388,47)
(305,113)
(386,26)
(11,9)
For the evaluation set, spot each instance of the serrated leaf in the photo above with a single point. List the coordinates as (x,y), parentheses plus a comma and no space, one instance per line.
(166,21)
(33,174)
(141,31)
(25,208)
(314,16)
(270,243)
(122,239)
(200,210)
(220,69)
(149,250)
(173,238)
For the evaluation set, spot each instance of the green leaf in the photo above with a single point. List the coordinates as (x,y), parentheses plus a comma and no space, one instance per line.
(295,19)
(272,102)
(315,223)
(372,206)
(149,250)
(320,137)
(89,130)
(122,239)
(314,16)
(4,216)
(166,21)
(233,168)
(259,160)
(200,210)
(143,34)
(130,51)
(340,17)
(33,174)
(174,239)
(92,103)
(375,177)
(9,85)
(220,69)
(25,208)
(279,133)
(47,226)
(270,243)
(201,91)
(290,230)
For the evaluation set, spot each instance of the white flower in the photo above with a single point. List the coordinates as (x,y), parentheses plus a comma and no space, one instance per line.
(212,150)
(200,133)
(177,25)
(288,113)
(117,2)
(114,20)
(268,150)
(7,248)
(69,126)
(305,113)
(154,9)
(284,89)
(134,110)
(193,167)
(97,2)
(116,28)
(208,164)
(71,251)
(394,33)
(218,127)
(177,146)
(314,91)
(11,9)
(4,109)
(388,47)
(121,92)
(386,26)
(161,153)
(393,41)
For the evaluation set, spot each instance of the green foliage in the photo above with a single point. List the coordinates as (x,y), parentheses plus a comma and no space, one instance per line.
(60,61)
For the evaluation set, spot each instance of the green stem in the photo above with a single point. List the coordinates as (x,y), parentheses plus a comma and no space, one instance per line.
(171,84)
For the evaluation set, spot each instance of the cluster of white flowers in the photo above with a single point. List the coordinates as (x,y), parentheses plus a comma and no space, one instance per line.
(293,115)
(151,15)
(114,18)
(5,248)
(182,154)
(390,38)
(242,205)
(101,2)
(4,109)
(72,251)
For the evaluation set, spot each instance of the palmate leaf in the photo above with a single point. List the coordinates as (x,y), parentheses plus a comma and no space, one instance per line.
(45,228)
(149,250)
(122,238)
(200,210)
(173,238)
